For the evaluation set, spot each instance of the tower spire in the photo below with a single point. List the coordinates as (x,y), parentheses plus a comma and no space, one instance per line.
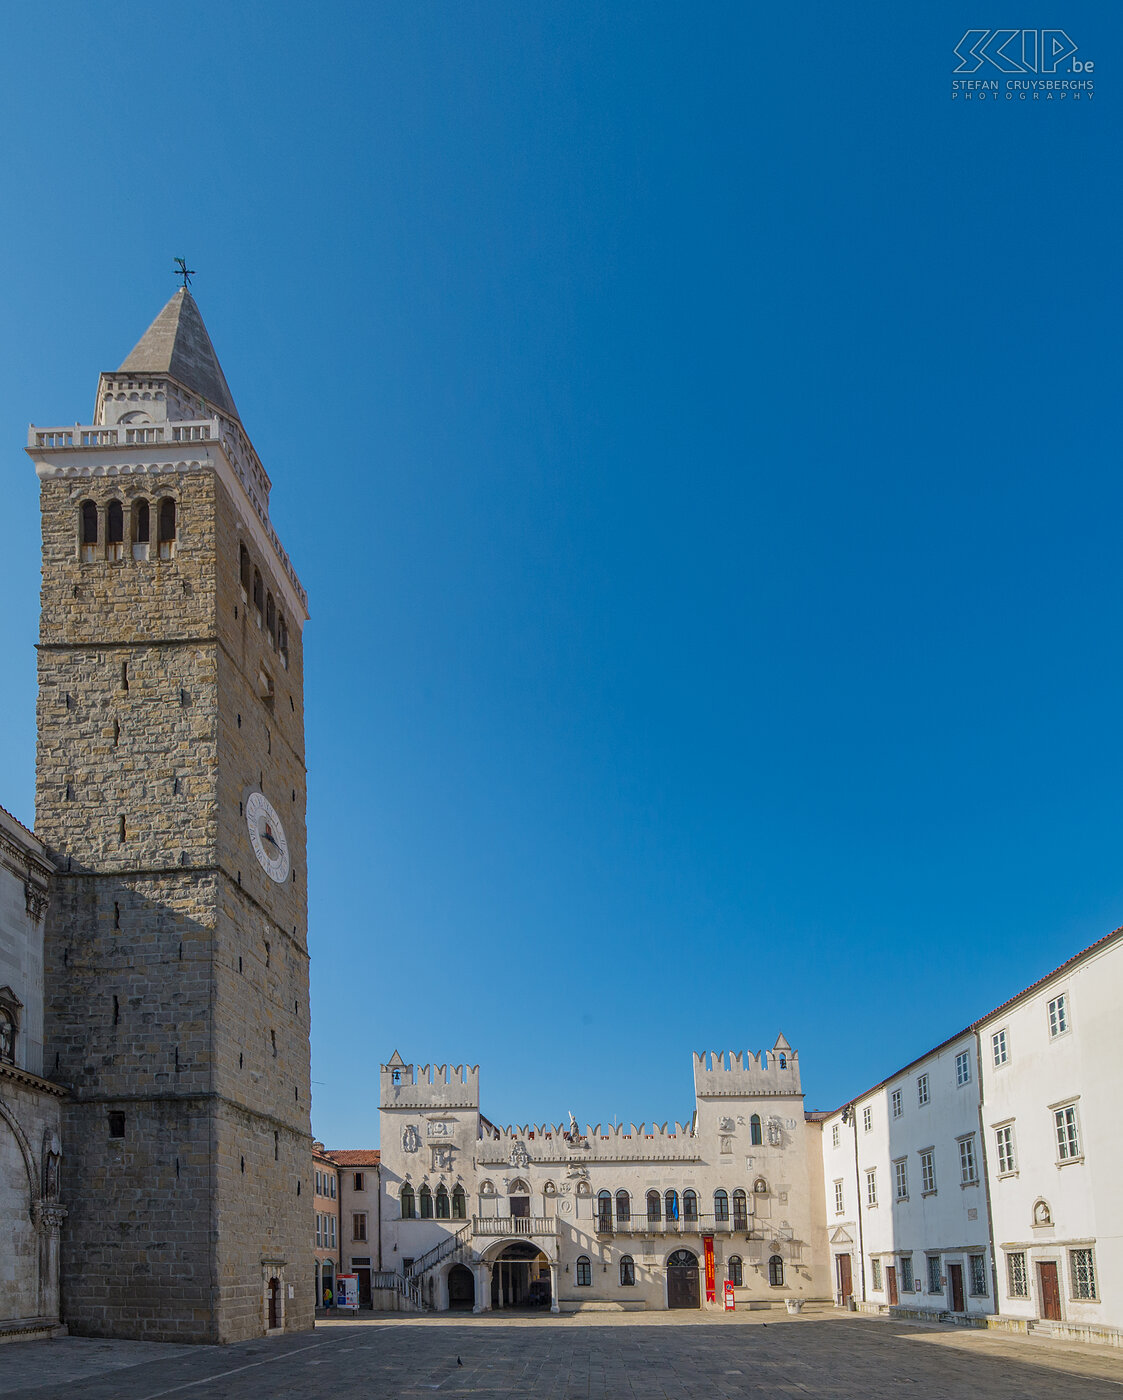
(177,343)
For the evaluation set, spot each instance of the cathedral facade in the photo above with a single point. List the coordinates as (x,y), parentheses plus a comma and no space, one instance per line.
(170,799)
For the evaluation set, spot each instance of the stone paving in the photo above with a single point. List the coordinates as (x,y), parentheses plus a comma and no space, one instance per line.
(657,1356)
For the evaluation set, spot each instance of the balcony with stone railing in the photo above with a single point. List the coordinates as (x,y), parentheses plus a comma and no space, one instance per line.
(519,1227)
(696,1224)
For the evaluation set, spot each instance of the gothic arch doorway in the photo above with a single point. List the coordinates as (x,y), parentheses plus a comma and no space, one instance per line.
(520,1278)
(461,1289)
(682,1280)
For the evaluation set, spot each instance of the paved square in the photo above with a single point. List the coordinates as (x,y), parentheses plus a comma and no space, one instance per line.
(650,1357)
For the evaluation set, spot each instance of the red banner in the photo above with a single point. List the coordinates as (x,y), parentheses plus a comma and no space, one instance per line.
(711,1289)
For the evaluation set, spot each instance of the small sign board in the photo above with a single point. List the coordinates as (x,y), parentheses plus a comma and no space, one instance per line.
(730,1301)
(347,1291)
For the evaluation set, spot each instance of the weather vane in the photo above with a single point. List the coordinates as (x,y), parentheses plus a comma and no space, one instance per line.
(182,270)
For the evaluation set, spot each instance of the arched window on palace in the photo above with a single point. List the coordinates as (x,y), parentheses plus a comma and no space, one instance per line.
(776,1271)
(115,531)
(167,526)
(604,1210)
(459,1203)
(627,1271)
(88,536)
(443,1212)
(755,1134)
(736,1270)
(258,595)
(721,1205)
(7,1036)
(670,1204)
(142,528)
(623,1207)
(406,1198)
(689,1205)
(584,1272)
(740,1210)
(283,637)
(425,1201)
(653,1205)
(271,618)
(244,570)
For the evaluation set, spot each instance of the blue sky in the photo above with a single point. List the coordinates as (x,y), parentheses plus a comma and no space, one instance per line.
(698,436)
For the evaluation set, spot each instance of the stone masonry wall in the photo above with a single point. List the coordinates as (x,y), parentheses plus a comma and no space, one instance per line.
(176,972)
(262,1068)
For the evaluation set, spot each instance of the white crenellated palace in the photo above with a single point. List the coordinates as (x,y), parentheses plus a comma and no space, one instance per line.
(627,1217)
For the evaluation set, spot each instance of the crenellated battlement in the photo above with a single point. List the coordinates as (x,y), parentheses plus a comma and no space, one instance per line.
(559,1145)
(429,1086)
(730,1074)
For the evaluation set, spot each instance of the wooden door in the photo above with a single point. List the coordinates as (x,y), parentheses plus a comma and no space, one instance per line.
(845,1284)
(1050,1292)
(682,1280)
(955,1283)
(274,1307)
(891,1283)
(520,1207)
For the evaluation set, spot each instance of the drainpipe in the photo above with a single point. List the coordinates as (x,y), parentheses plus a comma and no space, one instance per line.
(853,1112)
(378,1182)
(986,1172)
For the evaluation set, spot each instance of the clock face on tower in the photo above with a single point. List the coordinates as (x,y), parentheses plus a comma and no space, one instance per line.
(267,836)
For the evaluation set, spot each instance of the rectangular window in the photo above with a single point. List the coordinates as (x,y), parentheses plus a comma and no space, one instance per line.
(935,1284)
(968,1173)
(1068,1136)
(998,1047)
(319,1184)
(319,1231)
(331,1232)
(963,1068)
(1004,1141)
(896,1102)
(867,1119)
(978,1263)
(1058,1016)
(1017,1276)
(922,1090)
(871,1187)
(331,1183)
(876,1266)
(358,1227)
(906,1273)
(928,1172)
(839,1198)
(359,1185)
(901,1177)
(834,1136)
(1083,1273)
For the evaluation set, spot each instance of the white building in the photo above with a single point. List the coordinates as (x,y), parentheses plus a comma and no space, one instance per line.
(30,1106)
(1051,1060)
(629,1217)
(980,1183)
(905,1190)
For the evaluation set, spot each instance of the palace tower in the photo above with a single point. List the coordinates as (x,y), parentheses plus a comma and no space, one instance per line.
(171,793)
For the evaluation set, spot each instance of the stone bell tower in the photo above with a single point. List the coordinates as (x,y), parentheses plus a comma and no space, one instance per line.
(171,793)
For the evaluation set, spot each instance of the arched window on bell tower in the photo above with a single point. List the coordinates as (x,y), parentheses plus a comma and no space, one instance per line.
(142,528)
(167,524)
(115,532)
(87,537)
